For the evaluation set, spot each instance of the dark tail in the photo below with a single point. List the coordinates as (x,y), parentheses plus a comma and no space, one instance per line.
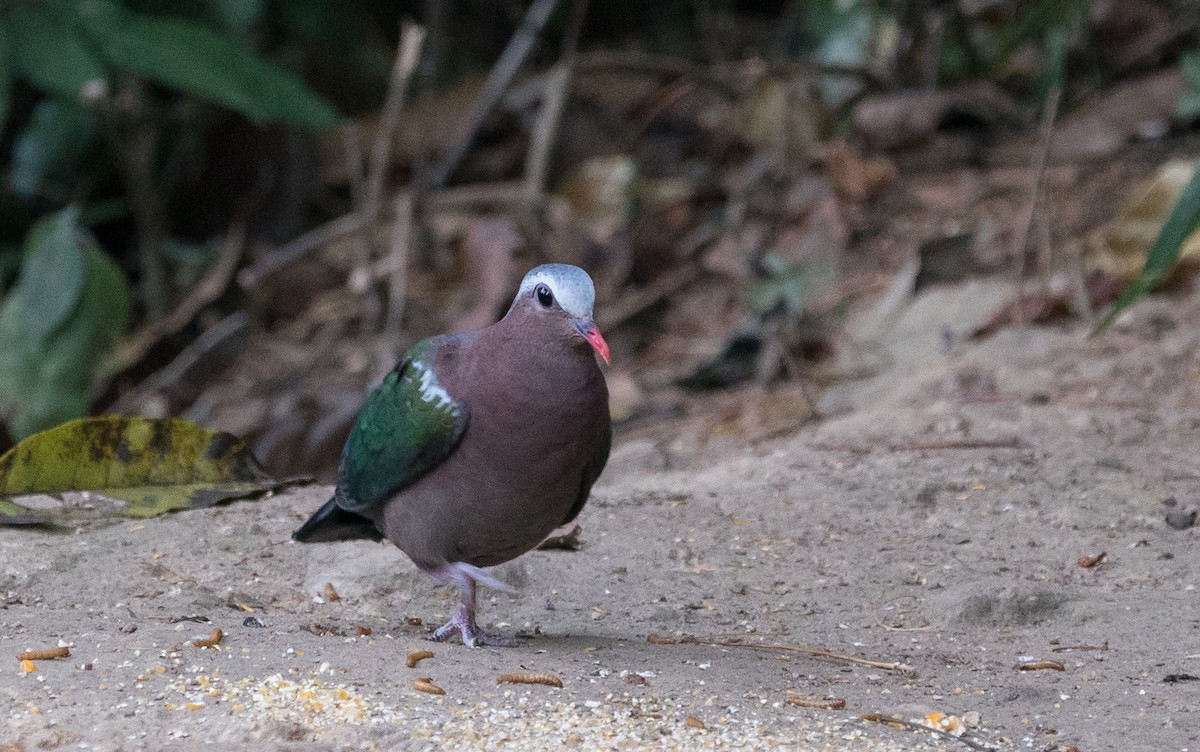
(332,523)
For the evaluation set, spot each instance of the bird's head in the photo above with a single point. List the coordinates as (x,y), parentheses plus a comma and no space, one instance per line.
(565,292)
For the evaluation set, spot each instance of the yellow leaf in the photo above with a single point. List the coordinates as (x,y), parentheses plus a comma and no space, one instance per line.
(148,466)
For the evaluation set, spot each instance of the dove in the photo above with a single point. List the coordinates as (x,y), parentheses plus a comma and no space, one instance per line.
(477,446)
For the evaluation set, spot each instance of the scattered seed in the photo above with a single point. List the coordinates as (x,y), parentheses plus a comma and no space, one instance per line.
(362,631)
(694,722)
(1041,665)
(654,639)
(417,656)
(211,641)
(44,655)
(425,684)
(835,703)
(635,679)
(1087,562)
(550,680)
(331,594)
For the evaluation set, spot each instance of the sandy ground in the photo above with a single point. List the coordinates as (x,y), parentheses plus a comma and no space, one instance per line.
(935,520)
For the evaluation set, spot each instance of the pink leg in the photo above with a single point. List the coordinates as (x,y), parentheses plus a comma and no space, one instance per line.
(463,622)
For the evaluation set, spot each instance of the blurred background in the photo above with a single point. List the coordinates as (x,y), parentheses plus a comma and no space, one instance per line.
(243,211)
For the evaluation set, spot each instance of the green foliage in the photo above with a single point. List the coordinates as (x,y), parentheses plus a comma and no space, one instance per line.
(1182,222)
(152,466)
(69,49)
(46,154)
(198,61)
(1188,105)
(67,308)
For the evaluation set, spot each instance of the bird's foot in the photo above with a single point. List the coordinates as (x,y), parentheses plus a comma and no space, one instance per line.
(463,623)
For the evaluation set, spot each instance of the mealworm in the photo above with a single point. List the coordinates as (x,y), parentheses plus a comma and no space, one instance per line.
(1040,665)
(425,684)
(1087,562)
(550,680)
(837,703)
(43,655)
(654,639)
(331,595)
(417,656)
(211,641)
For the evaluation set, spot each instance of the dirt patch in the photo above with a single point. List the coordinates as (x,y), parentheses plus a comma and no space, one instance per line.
(937,521)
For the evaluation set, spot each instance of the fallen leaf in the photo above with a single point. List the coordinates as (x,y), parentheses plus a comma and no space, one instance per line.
(149,467)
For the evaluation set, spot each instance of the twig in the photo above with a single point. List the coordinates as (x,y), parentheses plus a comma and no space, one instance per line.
(233,325)
(888,719)
(898,667)
(1069,648)
(497,81)
(638,301)
(412,37)
(211,286)
(402,237)
(136,143)
(558,82)
(1040,158)
(1008,443)
(294,250)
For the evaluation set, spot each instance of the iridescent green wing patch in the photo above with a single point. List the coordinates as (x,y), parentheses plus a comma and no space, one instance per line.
(408,426)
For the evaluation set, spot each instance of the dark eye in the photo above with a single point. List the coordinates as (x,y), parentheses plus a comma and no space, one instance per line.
(543,295)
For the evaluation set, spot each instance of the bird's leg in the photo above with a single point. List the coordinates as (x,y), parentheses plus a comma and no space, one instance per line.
(463,621)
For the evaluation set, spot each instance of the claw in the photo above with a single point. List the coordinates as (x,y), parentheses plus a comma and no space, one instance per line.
(463,621)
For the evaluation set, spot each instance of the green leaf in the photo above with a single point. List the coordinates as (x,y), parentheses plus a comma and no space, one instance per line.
(204,64)
(1182,222)
(237,14)
(47,152)
(45,372)
(49,52)
(5,77)
(149,467)
(52,276)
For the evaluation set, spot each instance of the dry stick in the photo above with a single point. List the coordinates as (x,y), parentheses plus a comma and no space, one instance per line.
(397,259)
(335,229)
(211,286)
(541,141)
(412,37)
(497,81)
(137,149)
(1009,443)
(887,719)
(1040,158)
(233,325)
(902,668)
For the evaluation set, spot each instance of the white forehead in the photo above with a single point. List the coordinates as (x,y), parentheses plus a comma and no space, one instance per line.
(572,287)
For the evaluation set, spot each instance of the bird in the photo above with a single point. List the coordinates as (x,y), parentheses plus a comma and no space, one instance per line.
(476,446)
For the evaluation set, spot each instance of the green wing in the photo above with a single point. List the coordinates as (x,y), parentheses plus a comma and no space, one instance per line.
(408,425)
